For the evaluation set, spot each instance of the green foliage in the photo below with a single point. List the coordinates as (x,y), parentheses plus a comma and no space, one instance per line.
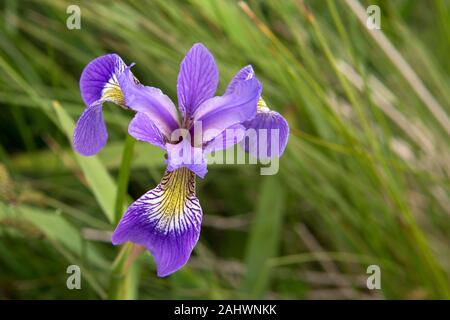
(263,238)
(365,178)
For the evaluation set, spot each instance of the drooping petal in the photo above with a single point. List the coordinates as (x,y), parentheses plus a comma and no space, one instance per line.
(90,133)
(228,138)
(245,73)
(142,128)
(271,135)
(183,154)
(197,79)
(222,112)
(166,220)
(99,80)
(151,101)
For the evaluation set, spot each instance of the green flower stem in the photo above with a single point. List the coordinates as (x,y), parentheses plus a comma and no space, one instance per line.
(124,175)
(124,275)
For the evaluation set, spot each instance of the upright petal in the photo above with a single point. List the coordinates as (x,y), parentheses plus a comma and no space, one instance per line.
(151,101)
(166,220)
(222,112)
(272,133)
(142,128)
(184,155)
(245,73)
(197,79)
(90,133)
(99,80)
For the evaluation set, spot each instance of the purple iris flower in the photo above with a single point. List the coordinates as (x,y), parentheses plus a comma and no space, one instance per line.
(167,219)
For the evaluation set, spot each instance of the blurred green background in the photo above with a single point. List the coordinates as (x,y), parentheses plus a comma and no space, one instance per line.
(365,179)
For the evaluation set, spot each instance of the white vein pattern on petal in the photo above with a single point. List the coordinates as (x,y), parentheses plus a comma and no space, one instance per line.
(172,206)
(111,91)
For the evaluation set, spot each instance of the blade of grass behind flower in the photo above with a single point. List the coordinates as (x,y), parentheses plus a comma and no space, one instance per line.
(263,238)
(98,178)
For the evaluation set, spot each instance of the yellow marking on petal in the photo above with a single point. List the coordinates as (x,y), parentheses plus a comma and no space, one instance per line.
(262,106)
(173,202)
(176,185)
(112,92)
(261,103)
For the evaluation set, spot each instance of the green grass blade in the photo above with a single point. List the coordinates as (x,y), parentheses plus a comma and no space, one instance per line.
(99,180)
(263,238)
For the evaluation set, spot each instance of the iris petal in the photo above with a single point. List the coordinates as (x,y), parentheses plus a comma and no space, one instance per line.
(151,101)
(99,80)
(222,112)
(228,138)
(272,132)
(166,220)
(197,79)
(245,73)
(90,133)
(142,128)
